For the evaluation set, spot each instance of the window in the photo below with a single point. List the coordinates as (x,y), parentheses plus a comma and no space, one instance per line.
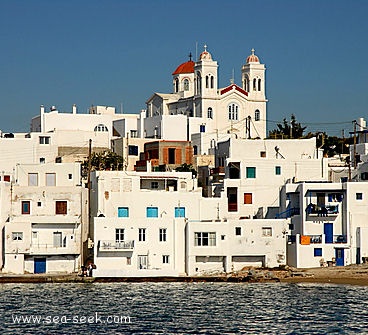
(101,127)
(359,196)
(42,160)
(35,235)
(251,172)
(6,178)
(162,236)
(58,239)
(195,150)
(119,235)
(142,262)
(266,231)
(212,82)
(44,139)
(202,128)
(61,207)
(263,154)
(133,150)
(205,239)
(176,83)
(248,198)
(154,184)
(222,237)
(70,176)
(254,84)
(180,212)
(257,115)
(152,212)
(209,113)
(123,212)
(133,133)
(233,112)
(17,236)
(207,80)
(26,207)
(186,85)
(32,179)
(165,259)
(129,261)
(317,252)
(50,179)
(259,84)
(39,203)
(237,231)
(278,170)
(142,234)
(171,155)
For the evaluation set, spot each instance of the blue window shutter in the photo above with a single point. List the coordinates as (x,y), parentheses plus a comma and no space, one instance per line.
(152,212)
(180,212)
(123,212)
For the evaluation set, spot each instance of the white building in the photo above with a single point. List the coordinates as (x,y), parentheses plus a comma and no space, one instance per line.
(47,227)
(198,106)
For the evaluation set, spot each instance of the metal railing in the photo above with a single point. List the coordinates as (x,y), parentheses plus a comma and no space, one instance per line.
(116,245)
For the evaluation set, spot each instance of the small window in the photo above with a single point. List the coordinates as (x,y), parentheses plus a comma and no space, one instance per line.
(263,154)
(277,170)
(186,85)
(180,212)
(266,231)
(50,179)
(44,139)
(101,127)
(154,185)
(39,203)
(17,236)
(42,160)
(237,231)
(257,115)
(35,235)
(317,252)
(6,178)
(165,259)
(248,198)
(152,212)
(70,176)
(142,234)
(61,207)
(209,113)
(129,261)
(202,128)
(123,212)
(119,235)
(32,179)
(162,235)
(133,150)
(195,150)
(222,237)
(26,207)
(359,196)
(251,172)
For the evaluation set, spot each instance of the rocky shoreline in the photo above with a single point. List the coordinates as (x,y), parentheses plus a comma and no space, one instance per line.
(352,275)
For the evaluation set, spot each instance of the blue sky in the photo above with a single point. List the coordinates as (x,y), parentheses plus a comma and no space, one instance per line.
(113,52)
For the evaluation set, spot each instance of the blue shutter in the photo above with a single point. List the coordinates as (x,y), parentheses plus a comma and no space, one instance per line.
(180,212)
(152,212)
(123,212)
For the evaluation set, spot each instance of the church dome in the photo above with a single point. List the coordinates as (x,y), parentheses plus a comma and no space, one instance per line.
(252,58)
(187,67)
(205,55)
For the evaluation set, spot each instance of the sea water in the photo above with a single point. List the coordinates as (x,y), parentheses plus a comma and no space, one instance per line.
(183,308)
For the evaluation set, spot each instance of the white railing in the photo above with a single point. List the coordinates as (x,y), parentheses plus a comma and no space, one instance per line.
(116,245)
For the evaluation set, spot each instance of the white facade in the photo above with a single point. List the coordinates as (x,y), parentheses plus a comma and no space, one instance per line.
(47,225)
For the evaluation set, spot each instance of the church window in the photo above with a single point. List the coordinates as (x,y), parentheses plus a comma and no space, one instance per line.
(176,85)
(246,84)
(212,81)
(186,85)
(257,115)
(101,127)
(209,113)
(259,84)
(199,88)
(207,81)
(254,84)
(233,112)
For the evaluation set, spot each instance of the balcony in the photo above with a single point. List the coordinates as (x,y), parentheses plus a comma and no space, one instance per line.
(313,210)
(288,213)
(116,245)
(340,239)
(310,239)
(50,249)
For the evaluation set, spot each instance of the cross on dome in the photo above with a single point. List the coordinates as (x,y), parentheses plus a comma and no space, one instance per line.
(205,48)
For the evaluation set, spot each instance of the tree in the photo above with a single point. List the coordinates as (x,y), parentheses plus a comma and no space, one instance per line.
(106,160)
(286,129)
(186,168)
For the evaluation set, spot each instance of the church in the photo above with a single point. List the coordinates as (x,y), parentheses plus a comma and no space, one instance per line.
(199,111)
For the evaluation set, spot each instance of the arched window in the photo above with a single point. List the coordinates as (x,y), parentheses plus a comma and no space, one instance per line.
(245,85)
(199,83)
(206,81)
(176,85)
(233,112)
(209,113)
(257,115)
(101,127)
(254,84)
(259,84)
(186,85)
(212,80)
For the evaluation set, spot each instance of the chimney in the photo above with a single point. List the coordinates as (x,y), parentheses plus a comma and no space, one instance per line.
(74,109)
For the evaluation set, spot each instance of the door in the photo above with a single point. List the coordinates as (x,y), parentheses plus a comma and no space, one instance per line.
(142,261)
(328,231)
(39,265)
(339,255)
(57,239)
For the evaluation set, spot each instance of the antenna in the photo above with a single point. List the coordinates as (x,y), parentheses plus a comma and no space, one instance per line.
(196,50)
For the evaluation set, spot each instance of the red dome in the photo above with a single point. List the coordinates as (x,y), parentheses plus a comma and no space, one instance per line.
(187,67)
(252,58)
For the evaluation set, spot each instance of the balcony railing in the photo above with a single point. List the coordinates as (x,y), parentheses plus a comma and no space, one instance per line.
(116,245)
(50,249)
(288,213)
(322,210)
(310,239)
(340,239)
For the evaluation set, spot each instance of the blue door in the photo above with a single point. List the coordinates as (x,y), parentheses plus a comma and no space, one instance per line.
(328,231)
(40,265)
(339,255)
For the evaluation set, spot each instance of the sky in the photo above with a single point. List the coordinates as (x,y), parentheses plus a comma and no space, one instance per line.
(118,53)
